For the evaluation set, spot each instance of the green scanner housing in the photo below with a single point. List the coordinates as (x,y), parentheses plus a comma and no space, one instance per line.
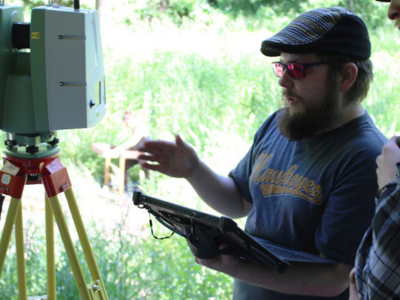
(51,75)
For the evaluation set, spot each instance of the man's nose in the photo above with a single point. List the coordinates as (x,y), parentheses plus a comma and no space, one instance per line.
(285,81)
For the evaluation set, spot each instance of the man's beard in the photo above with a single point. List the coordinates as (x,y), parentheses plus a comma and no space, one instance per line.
(310,120)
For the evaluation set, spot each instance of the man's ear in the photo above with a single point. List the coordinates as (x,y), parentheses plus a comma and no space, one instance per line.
(348,76)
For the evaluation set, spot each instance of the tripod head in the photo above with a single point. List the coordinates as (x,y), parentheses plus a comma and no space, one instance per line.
(51,76)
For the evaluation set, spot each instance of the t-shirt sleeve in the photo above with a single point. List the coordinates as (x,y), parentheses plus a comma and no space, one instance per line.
(350,205)
(241,175)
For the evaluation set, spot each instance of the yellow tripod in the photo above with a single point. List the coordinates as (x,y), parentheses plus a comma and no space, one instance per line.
(15,174)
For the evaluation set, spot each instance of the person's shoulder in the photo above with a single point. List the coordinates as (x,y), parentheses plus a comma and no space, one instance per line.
(363,133)
(366,145)
(358,141)
(371,127)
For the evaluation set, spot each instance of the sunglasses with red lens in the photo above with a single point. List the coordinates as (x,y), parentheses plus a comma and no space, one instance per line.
(295,70)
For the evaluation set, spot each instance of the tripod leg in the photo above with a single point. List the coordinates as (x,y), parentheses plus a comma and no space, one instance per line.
(69,248)
(7,230)
(87,249)
(19,241)
(51,269)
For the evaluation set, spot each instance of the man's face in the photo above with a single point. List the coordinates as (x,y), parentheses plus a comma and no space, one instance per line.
(311,104)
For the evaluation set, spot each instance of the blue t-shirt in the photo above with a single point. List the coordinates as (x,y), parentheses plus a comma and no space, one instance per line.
(316,194)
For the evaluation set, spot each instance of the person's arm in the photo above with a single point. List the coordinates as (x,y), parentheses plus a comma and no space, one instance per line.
(378,259)
(178,159)
(322,280)
(219,192)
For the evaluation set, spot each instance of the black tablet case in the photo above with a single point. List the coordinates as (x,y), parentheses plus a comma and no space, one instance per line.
(204,233)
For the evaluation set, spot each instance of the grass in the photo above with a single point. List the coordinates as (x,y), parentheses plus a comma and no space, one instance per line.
(131,268)
(133,264)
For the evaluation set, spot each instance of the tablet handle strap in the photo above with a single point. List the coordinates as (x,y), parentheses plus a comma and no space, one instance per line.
(152,233)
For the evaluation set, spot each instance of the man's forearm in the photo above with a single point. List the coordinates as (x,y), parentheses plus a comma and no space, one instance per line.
(219,192)
(300,279)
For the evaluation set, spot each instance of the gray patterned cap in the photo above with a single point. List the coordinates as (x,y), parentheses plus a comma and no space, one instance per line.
(334,30)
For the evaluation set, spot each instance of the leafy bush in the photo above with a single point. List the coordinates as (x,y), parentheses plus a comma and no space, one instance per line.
(132,267)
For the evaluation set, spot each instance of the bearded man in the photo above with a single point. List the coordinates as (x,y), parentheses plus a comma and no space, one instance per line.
(308,181)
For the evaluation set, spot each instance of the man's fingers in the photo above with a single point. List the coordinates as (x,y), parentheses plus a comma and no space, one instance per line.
(147,157)
(151,146)
(150,166)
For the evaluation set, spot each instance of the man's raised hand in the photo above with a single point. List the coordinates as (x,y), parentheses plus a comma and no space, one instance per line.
(176,159)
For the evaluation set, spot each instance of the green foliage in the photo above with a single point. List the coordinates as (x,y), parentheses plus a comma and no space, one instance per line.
(251,7)
(372,12)
(259,12)
(131,267)
(183,8)
(265,10)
